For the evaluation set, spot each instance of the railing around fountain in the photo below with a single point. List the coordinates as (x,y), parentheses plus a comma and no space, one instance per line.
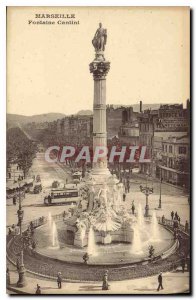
(170,223)
(49,268)
(41,221)
(37,265)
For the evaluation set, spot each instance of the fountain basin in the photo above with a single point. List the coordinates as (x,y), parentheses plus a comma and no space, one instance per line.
(115,253)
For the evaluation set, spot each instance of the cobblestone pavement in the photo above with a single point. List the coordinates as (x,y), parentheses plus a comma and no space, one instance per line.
(175,282)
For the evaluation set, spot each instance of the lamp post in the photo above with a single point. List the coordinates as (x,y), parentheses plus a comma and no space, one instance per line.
(22,280)
(147,191)
(161,179)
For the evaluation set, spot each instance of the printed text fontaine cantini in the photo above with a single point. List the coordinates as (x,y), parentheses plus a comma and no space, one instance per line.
(54,19)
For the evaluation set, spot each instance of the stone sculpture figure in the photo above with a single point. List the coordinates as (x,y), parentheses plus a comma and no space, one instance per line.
(115,195)
(100,38)
(102,195)
(91,199)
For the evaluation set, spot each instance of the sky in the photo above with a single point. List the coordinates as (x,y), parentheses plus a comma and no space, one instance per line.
(48,65)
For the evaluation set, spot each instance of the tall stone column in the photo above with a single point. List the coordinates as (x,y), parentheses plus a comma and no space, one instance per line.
(100,68)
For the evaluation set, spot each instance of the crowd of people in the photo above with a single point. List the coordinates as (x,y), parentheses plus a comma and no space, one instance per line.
(176,222)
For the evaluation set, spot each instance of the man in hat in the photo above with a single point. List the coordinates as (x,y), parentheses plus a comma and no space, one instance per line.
(160,280)
(133,207)
(183,261)
(59,280)
(105,285)
(124,196)
(186,227)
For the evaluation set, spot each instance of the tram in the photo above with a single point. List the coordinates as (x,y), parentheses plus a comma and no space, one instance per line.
(62,196)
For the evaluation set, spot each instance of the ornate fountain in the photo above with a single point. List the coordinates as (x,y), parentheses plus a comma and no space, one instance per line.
(101,209)
(101,206)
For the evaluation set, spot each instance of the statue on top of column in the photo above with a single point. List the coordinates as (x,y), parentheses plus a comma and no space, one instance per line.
(100,39)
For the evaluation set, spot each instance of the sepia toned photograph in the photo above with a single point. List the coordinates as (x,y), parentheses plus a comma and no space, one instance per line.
(98,151)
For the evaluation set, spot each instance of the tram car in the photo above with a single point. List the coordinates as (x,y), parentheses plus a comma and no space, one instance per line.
(62,196)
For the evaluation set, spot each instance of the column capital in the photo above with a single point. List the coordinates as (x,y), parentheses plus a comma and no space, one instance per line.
(99,69)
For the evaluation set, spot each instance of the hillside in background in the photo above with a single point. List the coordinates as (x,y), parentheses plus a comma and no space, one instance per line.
(85,113)
(14,120)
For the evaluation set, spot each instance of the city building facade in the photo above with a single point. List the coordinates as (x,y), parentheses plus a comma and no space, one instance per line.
(175,167)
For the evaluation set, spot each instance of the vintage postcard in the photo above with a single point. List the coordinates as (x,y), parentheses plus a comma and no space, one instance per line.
(98,150)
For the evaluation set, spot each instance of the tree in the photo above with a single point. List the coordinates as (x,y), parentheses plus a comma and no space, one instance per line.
(20,149)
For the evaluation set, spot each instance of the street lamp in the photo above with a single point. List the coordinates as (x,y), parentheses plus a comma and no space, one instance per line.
(146,190)
(22,280)
(161,179)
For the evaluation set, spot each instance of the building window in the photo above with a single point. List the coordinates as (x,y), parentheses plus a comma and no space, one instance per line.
(170,149)
(182,150)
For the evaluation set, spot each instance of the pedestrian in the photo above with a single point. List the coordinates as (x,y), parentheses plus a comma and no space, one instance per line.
(59,280)
(14,200)
(128,185)
(186,227)
(126,189)
(7,276)
(105,285)
(85,258)
(133,208)
(179,219)
(13,228)
(31,225)
(175,224)
(151,251)
(175,233)
(183,264)
(124,196)
(163,219)
(172,215)
(188,263)
(38,290)
(160,282)
(176,215)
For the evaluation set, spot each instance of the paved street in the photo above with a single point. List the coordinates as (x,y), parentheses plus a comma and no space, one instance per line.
(172,197)
(33,203)
(173,282)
